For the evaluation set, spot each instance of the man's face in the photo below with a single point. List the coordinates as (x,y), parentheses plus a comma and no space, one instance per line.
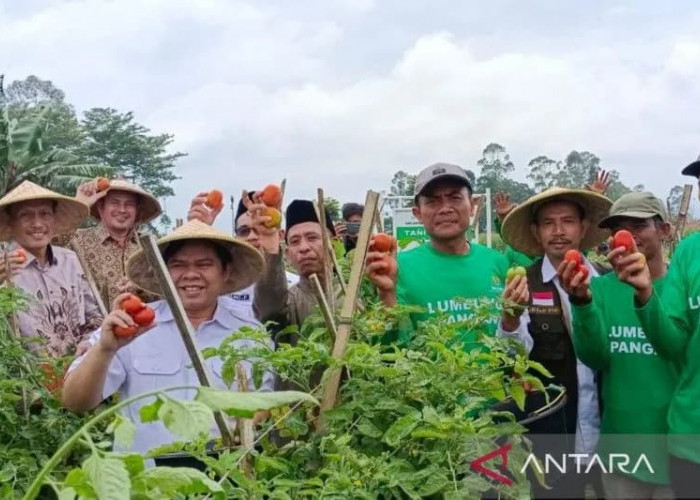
(444,208)
(33,223)
(648,236)
(357,218)
(246,231)
(118,210)
(305,248)
(198,275)
(559,228)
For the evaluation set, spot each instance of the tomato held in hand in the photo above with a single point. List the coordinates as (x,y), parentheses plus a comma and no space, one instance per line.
(575,257)
(271,195)
(382,242)
(132,305)
(125,333)
(145,316)
(515,271)
(624,239)
(102,184)
(274,215)
(215,199)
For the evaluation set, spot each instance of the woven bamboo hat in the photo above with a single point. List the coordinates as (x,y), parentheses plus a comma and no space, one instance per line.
(149,208)
(516,230)
(70,213)
(247,264)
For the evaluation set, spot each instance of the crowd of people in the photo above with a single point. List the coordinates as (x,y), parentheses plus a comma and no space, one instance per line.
(621,340)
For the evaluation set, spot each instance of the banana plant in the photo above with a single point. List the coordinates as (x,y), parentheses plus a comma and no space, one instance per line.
(23,157)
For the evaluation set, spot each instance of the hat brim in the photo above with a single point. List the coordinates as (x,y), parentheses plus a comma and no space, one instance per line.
(516,229)
(247,264)
(693,169)
(149,207)
(442,177)
(607,222)
(70,214)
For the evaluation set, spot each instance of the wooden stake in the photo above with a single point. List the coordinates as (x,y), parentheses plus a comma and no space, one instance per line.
(323,304)
(245,426)
(333,257)
(682,216)
(326,258)
(350,302)
(150,247)
(91,282)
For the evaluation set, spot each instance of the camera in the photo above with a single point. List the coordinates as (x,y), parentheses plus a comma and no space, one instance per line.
(352,228)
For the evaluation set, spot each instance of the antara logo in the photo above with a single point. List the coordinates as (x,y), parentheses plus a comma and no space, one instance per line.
(584,462)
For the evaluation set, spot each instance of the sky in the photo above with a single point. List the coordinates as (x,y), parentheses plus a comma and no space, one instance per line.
(341,94)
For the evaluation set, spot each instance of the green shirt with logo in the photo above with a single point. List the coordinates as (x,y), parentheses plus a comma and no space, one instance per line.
(637,383)
(451,284)
(671,319)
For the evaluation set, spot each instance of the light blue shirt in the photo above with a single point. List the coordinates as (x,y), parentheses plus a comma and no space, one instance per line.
(158,359)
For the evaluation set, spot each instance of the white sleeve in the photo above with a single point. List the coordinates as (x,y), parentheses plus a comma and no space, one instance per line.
(116,374)
(521,334)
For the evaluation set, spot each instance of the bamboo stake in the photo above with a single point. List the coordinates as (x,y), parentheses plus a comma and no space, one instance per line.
(91,282)
(682,216)
(334,258)
(323,304)
(245,426)
(327,248)
(148,242)
(350,302)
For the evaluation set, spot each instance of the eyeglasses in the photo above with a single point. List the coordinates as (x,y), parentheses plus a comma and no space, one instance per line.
(243,231)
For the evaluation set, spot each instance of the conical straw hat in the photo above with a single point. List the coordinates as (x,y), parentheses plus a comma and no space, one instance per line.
(149,208)
(247,263)
(70,213)
(516,230)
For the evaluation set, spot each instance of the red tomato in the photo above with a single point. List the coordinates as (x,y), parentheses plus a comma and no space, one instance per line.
(132,305)
(271,195)
(585,271)
(145,316)
(382,242)
(215,199)
(125,333)
(624,238)
(575,257)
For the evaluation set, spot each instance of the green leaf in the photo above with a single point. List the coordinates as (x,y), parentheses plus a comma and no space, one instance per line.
(517,392)
(428,434)
(431,416)
(367,428)
(109,477)
(124,431)
(245,404)
(539,367)
(263,463)
(149,412)
(134,463)
(187,419)
(400,429)
(169,480)
(67,494)
(78,480)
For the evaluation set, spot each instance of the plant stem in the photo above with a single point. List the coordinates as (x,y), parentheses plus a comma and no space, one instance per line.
(35,487)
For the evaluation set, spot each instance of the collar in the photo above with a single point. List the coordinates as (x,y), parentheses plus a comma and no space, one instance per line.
(222,315)
(103,235)
(549,273)
(50,255)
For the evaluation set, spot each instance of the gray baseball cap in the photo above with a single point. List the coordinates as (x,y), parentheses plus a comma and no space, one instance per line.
(636,206)
(440,171)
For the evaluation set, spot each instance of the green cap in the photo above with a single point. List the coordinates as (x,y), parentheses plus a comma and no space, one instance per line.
(637,206)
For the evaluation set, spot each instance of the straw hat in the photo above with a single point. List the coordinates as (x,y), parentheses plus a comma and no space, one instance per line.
(516,230)
(246,266)
(70,213)
(149,209)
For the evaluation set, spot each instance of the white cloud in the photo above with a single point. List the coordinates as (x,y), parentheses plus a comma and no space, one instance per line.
(257,91)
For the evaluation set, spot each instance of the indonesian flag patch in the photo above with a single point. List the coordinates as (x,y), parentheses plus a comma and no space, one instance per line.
(545,299)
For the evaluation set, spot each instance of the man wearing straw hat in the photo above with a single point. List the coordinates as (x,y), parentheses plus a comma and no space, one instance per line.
(671,320)
(204,264)
(105,248)
(637,384)
(549,224)
(61,308)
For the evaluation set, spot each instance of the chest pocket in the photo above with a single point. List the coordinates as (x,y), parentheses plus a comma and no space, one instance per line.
(551,340)
(154,369)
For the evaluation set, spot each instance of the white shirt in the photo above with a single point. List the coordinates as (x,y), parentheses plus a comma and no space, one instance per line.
(244,298)
(158,359)
(588,421)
